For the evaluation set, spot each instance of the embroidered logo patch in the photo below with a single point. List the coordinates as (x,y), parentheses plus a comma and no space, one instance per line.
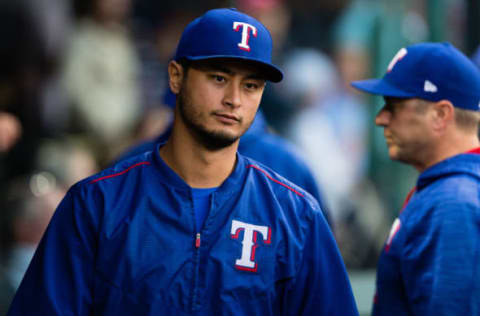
(249,243)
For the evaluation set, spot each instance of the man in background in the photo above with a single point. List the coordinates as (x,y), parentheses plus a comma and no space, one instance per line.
(431,259)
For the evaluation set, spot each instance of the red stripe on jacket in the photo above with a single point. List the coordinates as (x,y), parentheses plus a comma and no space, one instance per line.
(474,151)
(275,180)
(121,172)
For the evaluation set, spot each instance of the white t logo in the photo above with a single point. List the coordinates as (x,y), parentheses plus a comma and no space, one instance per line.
(393,231)
(249,243)
(245,33)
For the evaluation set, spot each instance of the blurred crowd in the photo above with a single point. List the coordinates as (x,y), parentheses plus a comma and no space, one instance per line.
(84,80)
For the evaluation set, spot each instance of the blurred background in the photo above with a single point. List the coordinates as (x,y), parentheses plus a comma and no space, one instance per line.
(82,81)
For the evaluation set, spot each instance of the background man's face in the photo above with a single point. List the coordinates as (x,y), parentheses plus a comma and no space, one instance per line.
(406,129)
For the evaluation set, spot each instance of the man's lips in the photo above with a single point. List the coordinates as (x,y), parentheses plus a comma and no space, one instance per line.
(389,140)
(388,137)
(227,118)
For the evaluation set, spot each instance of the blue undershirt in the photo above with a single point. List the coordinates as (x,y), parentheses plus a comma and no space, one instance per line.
(201,204)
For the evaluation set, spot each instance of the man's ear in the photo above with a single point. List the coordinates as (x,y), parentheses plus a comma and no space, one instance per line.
(175,75)
(443,114)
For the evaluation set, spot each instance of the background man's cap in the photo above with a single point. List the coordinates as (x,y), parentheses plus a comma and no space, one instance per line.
(430,71)
(229,33)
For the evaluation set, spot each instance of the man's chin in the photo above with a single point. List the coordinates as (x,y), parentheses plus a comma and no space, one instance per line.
(399,156)
(393,153)
(217,140)
(227,135)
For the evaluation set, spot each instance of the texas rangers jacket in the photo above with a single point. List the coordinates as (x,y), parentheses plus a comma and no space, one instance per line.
(431,262)
(123,242)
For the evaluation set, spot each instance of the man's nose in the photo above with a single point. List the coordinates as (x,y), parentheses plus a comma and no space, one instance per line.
(383,117)
(232,96)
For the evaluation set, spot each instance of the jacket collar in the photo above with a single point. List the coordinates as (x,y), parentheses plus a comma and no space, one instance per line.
(465,163)
(170,178)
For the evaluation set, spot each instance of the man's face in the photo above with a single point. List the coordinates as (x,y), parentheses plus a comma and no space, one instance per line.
(218,100)
(406,129)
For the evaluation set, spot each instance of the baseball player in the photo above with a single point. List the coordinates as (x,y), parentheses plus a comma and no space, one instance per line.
(431,261)
(193,228)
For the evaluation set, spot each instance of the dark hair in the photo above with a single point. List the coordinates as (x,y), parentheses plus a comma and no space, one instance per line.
(186,64)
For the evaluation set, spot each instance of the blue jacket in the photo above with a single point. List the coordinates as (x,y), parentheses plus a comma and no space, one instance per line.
(431,262)
(123,242)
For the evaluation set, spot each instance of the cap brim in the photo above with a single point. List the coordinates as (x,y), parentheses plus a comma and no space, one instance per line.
(381,87)
(272,72)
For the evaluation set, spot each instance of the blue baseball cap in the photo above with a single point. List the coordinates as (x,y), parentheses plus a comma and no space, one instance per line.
(229,33)
(429,71)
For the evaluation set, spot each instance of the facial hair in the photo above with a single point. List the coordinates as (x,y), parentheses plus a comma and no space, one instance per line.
(211,140)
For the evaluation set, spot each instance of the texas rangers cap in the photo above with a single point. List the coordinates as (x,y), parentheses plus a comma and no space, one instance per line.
(229,33)
(430,71)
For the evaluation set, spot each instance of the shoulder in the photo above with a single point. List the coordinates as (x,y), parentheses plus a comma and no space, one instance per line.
(455,188)
(450,203)
(457,177)
(123,175)
(270,182)
(110,195)
(289,204)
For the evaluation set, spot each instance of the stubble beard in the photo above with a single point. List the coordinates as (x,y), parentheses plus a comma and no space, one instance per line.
(211,140)
(410,155)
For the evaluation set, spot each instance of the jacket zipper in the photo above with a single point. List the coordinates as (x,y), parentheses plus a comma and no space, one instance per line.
(193,306)
(197,241)
(193,302)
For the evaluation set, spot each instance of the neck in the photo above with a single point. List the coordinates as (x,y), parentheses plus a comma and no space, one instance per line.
(452,145)
(196,165)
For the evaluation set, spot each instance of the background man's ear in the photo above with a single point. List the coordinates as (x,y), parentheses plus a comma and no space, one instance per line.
(444,113)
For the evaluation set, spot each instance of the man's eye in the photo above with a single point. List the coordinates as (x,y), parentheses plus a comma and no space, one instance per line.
(251,86)
(388,107)
(218,78)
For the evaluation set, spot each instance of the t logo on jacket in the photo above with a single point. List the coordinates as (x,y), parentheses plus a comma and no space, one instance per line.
(249,243)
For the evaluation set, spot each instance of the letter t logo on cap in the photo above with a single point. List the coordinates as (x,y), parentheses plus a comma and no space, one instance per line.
(245,33)
(400,54)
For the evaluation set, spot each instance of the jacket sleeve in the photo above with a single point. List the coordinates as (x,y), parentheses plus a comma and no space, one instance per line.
(321,285)
(441,260)
(59,278)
